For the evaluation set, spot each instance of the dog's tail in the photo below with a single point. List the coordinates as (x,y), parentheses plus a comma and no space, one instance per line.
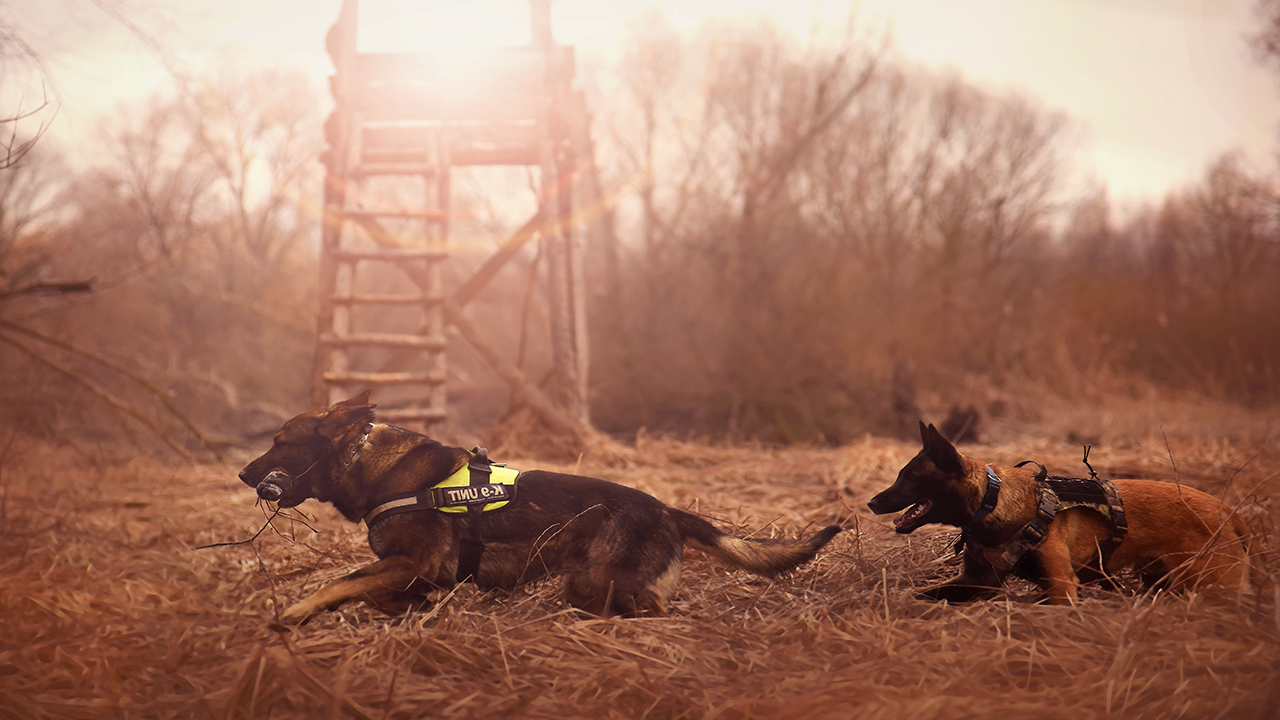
(769,558)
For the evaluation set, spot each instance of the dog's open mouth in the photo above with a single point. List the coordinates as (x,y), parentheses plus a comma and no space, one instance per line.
(912,518)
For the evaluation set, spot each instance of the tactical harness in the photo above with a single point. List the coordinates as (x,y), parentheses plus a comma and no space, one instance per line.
(479,486)
(1053,495)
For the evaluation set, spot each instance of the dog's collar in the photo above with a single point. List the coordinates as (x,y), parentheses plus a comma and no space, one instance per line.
(455,494)
(989,498)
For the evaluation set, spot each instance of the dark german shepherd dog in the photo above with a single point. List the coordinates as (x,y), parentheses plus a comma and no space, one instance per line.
(1172,534)
(619,550)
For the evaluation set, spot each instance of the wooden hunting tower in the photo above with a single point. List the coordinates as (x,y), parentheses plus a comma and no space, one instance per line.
(408,115)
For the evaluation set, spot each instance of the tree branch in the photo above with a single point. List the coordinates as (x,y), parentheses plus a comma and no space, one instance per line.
(160,395)
(102,394)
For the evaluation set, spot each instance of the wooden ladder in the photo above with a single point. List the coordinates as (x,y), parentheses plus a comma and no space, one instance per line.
(410,115)
(356,238)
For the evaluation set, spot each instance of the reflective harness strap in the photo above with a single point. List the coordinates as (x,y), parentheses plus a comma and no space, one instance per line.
(451,496)
(473,545)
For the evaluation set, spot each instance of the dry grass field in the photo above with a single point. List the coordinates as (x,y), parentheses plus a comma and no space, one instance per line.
(109,610)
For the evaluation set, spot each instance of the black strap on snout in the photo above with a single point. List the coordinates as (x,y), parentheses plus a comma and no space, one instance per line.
(472,545)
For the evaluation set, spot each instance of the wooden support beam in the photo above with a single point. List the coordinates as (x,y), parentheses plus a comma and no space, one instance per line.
(390,254)
(523,388)
(474,284)
(341,45)
(483,274)
(385,300)
(378,232)
(362,213)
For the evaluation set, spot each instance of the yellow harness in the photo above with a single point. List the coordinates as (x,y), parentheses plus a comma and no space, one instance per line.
(454,494)
(458,491)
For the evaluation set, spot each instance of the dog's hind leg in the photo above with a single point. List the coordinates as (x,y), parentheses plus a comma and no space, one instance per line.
(652,600)
(610,592)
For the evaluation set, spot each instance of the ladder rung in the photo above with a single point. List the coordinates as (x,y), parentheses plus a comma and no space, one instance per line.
(390,254)
(388,162)
(387,378)
(392,168)
(386,340)
(385,300)
(437,215)
(518,155)
(402,414)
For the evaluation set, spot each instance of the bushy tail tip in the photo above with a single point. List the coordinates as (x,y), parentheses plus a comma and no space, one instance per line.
(769,558)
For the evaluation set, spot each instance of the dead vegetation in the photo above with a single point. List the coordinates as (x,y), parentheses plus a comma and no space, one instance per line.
(111,611)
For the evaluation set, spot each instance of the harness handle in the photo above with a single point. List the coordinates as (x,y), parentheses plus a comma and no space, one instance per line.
(473,545)
(1040,475)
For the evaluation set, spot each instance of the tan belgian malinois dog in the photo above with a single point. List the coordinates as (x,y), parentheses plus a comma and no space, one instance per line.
(439,515)
(1171,534)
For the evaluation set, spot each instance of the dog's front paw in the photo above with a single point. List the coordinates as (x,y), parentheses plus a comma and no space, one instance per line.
(297,614)
(955,592)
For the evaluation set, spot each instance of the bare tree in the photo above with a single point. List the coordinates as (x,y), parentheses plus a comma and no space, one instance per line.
(820,207)
(30,97)
(197,228)
(1266,41)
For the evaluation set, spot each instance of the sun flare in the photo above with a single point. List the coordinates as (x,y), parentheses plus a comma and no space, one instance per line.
(448,26)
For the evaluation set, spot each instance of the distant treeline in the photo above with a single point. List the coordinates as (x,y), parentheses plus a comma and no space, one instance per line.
(808,245)
(809,239)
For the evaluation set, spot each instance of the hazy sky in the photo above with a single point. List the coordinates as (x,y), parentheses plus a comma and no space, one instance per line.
(1157,88)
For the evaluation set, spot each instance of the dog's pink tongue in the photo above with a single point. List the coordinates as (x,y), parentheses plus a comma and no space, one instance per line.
(911,515)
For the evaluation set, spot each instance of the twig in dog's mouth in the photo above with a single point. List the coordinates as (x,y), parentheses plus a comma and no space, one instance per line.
(244,542)
(275,512)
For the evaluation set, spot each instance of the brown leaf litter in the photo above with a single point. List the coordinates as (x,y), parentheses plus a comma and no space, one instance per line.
(110,611)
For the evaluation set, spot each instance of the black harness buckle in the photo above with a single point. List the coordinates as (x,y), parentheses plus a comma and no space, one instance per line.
(989,498)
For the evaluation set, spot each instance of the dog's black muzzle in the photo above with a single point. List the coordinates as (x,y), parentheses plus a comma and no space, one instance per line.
(273,486)
(887,502)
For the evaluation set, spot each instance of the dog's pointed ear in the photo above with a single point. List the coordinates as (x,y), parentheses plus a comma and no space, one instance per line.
(361,399)
(347,414)
(941,451)
(924,435)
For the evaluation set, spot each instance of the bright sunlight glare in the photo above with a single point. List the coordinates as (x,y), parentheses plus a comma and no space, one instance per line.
(441,25)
